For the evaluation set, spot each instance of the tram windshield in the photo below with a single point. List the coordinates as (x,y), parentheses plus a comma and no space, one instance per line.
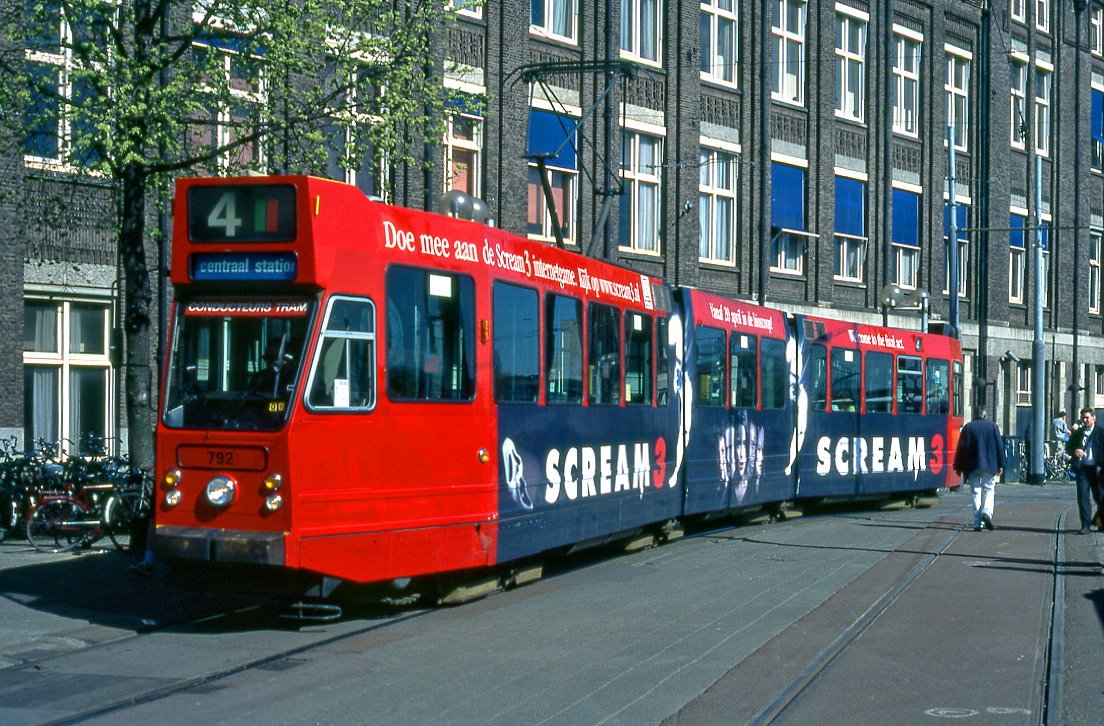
(235,364)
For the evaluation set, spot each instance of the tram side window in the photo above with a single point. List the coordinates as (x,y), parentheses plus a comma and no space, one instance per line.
(818,378)
(638,359)
(878,382)
(910,385)
(956,390)
(516,328)
(430,335)
(709,362)
(938,388)
(845,379)
(663,363)
(344,372)
(776,375)
(743,361)
(563,349)
(605,355)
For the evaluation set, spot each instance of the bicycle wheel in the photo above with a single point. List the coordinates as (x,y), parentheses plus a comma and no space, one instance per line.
(122,508)
(58,525)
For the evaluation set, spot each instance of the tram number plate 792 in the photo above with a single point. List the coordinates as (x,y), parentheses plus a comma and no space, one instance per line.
(249,458)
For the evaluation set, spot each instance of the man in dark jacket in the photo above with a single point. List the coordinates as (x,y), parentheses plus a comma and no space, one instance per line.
(1086,449)
(980,458)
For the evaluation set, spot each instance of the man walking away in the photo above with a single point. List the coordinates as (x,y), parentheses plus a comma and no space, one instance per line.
(980,457)
(1086,447)
(1058,428)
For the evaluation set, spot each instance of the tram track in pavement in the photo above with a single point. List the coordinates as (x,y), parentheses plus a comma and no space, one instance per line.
(1048,707)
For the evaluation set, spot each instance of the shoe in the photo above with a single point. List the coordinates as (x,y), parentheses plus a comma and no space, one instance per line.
(988,522)
(143,569)
(977,527)
(1083,530)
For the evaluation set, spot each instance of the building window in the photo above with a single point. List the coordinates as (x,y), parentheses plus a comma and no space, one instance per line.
(463,149)
(1043,77)
(234,87)
(1097,129)
(55,132)
(553,137)
(1019,10)
(718,215)
(641,156)
(906,238)
(1044,272)
(554,18)
(962,217)
(67,373)
(473,8)
(958,95)
(1096,30)
(1023,383)
(719,40)
(789,51)
(906,80)
(640,29)
(1017,259)
(1042,15)
(1018,122)
(1098,386)
(850,237)
(1095,238)
(850,65)
(788,234)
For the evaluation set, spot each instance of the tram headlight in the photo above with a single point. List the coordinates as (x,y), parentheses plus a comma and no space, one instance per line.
(171,478)
(273,481)
(173,497)
(220,491)
(273,502)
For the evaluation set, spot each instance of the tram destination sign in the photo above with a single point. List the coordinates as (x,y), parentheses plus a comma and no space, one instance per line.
(242,213)
(244,266)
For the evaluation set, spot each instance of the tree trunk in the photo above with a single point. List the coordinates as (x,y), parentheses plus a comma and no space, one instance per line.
(139,373)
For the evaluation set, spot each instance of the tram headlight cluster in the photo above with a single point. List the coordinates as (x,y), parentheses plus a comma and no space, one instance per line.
(173,496)
(273,501)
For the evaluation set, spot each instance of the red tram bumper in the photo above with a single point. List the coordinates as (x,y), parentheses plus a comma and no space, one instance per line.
(220,545)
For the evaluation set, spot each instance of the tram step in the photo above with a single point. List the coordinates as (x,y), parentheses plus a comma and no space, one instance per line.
(457,593)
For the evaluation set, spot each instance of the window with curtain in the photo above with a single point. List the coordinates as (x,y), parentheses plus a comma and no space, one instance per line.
(962,223)
(554,136)
(850,64)
(906,77)
(719,40)
(788,28)
(718,176)
(554,18)
(958,94)
(1017,259)
(67,374)
(788,218)
(906,238)
(641,157)
(1096,129)
(641,35)
(850,236)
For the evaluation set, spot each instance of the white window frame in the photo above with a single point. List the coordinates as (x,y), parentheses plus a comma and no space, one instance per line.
(722,14)
(716,189)
(850,62)
(1017,261)
(1018,65)
(634,25)
(570,182)
(66,363)
(1096,255)
(1044,85)
(1097,148)
(1019,10)
(908,50)
(1096,30)
(637,180)
(959,66)
(963,254)
(474,146)
(1023,382)
(222,131)
(1098,386)
(471,8)
(850,247)
(545,27)
(1042,15)
(788,85)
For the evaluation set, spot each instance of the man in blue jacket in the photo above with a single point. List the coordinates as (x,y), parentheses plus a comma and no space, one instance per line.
(980,457)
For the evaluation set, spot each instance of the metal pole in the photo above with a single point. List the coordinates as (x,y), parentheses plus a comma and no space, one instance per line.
(1038,345)
(1075,377)
(952,242)
(765,66)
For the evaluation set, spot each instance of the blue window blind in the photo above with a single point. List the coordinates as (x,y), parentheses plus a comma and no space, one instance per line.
(548,134)
(1098,116)
(787,197)
(906,218)
(1016,236)
(849,206)
(962,218)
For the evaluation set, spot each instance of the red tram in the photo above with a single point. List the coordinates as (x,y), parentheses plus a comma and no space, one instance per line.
(360,392)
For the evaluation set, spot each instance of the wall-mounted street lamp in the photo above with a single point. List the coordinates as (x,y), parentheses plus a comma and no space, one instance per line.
(895,297)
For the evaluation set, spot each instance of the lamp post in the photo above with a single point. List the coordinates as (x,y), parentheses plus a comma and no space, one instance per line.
(896,297)
(1075,385)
